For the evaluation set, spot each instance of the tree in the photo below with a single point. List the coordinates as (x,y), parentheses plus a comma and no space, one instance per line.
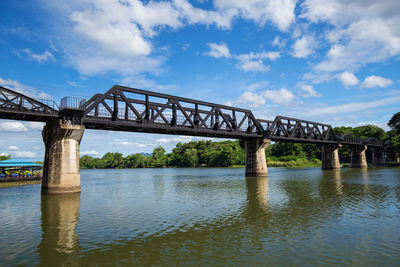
(191,157)
(159,159)
(4,156)
(394,122)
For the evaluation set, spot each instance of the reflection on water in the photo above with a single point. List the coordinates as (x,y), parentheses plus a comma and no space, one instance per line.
(60,215)
(209,217)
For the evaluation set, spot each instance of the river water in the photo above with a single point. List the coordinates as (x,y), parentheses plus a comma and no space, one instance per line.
(207,216)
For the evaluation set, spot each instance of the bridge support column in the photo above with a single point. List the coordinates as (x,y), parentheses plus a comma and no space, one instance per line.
(61,171)
(378,156)
(358,158)
(256,165)
(330,157)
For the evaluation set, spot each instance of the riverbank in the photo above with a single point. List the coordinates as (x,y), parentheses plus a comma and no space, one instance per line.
(19,183)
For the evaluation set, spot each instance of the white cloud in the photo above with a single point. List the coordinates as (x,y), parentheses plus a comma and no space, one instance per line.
(33,125)
(251,99)
(218,50)
(257,86)
(303,47)
(23,89)
(282,96)
(376,81)
(251,62)
(352,107)
(308,91)
(117,36)
(89,153)
(13,126)
(24,154)
(279,12)
(254,61)
(278,42)
(12,148)
(253,65)
(348,79)
(361,32)
(40,58)
(4,154)
(181,139)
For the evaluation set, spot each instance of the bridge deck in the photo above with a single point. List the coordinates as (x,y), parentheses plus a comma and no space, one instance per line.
(129,109)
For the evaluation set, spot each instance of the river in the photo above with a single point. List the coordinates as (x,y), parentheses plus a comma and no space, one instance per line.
(207,216)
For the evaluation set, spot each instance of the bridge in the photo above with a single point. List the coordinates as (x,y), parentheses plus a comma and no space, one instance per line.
(129,109)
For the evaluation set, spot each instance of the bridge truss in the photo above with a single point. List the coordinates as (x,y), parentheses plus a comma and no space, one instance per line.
(129,109)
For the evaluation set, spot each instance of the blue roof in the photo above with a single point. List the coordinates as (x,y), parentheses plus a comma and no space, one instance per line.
(18,163)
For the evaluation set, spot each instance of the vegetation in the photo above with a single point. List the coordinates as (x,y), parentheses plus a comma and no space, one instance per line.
(5,157)
(192,154)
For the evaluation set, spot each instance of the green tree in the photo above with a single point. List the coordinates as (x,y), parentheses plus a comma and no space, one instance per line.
(158,159)
(191,157)
(394,122)
(4,157)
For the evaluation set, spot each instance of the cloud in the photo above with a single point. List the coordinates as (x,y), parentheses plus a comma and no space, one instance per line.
(348,79)
(218,50)
(308,91)
(253,65)
(352,107)
(251,62)
(282,96)
(24,154)
(40,58)
(89,153)
(359,33)
(4,154)
(23,89)
(252,99)
(278,42)
(16,126)
(13,126)
(280,13)
(257,86)
(376,81)
(12,148)
(303,47)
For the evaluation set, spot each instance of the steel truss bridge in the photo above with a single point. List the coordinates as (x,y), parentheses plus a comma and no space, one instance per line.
(129,109)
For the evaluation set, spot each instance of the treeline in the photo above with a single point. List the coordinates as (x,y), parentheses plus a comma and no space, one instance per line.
(192,154)
(229,153)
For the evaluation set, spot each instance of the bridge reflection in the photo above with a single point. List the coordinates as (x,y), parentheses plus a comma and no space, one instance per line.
(60,217)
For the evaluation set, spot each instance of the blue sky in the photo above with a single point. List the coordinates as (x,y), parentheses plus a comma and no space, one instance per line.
(335,62)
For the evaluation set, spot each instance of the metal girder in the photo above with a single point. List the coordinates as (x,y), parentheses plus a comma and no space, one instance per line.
(16,106)
(129,109)
(297,130)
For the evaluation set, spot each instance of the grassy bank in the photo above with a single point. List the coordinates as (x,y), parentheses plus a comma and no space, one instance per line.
(298,163)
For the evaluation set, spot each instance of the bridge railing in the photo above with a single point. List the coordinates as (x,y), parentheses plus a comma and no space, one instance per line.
(72,102)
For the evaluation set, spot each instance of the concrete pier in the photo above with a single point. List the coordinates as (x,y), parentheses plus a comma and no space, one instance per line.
(61,171)
(358,158)
(256,165)
(378,156)
(330,156)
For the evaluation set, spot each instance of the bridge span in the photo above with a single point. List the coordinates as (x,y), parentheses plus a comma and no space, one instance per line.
(129,109)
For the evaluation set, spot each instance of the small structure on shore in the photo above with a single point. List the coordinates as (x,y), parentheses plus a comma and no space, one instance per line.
(19,170)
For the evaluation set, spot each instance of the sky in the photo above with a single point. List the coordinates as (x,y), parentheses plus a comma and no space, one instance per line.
(335,62)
